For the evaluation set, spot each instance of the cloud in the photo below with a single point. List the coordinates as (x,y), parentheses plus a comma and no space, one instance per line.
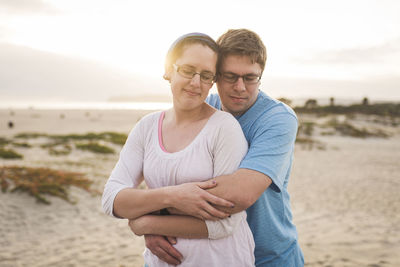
(3,32)
(356,55)
(26,7)
(31,75)
(27,74)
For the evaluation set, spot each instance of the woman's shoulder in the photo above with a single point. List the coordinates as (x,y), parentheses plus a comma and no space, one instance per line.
(224,118)
(225,122)
(149,118)
(147,121)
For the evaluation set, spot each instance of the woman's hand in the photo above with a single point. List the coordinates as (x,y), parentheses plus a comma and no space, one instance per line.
(192,199)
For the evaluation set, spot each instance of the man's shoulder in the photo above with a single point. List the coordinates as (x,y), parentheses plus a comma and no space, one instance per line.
(271,105)
(267,108)
(214,101)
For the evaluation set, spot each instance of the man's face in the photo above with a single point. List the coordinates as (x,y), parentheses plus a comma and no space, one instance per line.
(237,97)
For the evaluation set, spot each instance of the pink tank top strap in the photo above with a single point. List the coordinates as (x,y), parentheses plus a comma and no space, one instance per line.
(160,121)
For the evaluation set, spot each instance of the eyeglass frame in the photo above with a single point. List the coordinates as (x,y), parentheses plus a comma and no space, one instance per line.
(220,74)
(177,67)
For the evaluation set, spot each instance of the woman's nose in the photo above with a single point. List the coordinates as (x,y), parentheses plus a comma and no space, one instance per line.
(195,79)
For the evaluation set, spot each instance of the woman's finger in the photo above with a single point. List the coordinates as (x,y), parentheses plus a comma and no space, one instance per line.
(217,200)
(214,213)
(207,184)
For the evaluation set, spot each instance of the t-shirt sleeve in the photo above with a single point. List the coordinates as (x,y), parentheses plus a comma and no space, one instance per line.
(214,101)
(271,147)
(128,171)
(230,148)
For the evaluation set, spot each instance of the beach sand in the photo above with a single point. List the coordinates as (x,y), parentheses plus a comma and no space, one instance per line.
(345,198)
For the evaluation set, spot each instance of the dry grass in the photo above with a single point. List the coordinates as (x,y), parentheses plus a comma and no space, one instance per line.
(39,182)
(347,129)
(95,148)
(9,154)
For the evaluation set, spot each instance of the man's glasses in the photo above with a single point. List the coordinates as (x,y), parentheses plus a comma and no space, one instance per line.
(206,77)
(248,79)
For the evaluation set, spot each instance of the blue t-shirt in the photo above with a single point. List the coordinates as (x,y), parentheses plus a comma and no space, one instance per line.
(270,128)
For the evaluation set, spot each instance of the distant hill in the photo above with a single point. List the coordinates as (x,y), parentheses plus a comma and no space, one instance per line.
(141,98)
(28,74)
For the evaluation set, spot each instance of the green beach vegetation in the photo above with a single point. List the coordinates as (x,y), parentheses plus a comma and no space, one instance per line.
(59,145)
(9,154)
(39,182)
(391,110)
(96,148)
(112,137)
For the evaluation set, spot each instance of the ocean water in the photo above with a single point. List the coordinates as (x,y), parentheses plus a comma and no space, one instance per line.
(87,105)
(111,105)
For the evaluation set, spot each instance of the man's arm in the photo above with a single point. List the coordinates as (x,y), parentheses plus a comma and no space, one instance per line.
(243,188)
(171,225)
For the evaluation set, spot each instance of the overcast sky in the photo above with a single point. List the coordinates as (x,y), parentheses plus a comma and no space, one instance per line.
(84,50)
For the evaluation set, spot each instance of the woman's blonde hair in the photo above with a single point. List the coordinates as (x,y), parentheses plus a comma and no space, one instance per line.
(176,49)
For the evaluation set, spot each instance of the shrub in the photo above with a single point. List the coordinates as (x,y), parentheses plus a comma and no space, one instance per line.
(9,154)
(24,145)
(115,138)
(347,129)
(96,148)
(306,128)
(30,135)
(41,181)
(3,141)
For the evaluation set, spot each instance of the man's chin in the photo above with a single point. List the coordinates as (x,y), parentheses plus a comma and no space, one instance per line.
(237,110)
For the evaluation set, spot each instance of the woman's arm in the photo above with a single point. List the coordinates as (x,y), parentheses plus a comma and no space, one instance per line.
(132,203)
(228,140)
(171,225)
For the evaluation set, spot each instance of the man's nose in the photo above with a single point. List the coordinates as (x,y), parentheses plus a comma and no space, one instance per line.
(239,85)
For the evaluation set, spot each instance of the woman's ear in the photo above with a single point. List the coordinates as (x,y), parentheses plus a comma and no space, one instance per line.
(166,77)
(167,74)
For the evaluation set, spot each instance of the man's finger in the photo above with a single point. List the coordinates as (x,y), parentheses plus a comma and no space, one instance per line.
(171,240)
(164,256)
(163,249)
(172,251)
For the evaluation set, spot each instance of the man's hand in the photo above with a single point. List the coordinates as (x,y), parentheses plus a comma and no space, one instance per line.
(162,247)
(192,199)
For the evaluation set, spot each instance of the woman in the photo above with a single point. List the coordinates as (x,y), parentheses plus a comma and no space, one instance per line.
(191,142)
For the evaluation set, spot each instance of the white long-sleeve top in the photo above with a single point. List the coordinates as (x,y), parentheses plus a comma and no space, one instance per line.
(216,150)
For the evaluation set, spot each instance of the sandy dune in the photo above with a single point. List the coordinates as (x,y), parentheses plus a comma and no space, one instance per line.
(345,199)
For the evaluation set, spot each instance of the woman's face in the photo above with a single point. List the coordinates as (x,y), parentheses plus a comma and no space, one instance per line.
(189,93)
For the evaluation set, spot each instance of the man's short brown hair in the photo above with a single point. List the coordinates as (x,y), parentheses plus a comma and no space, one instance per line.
(242,42)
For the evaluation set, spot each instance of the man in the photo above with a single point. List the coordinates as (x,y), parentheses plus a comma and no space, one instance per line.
(260,184)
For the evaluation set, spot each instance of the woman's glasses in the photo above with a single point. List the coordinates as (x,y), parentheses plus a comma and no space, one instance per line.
(188,72)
